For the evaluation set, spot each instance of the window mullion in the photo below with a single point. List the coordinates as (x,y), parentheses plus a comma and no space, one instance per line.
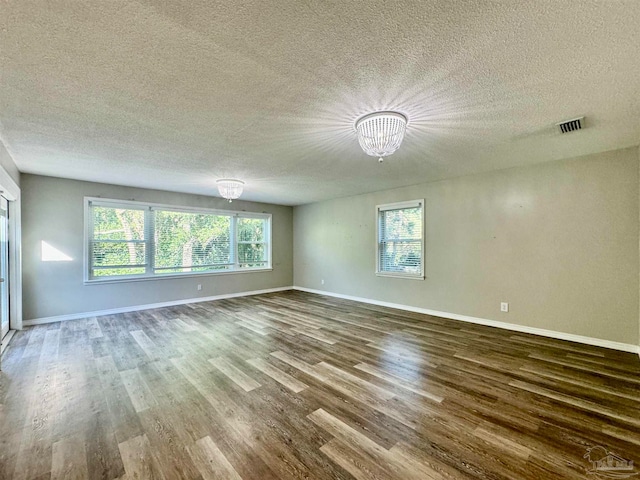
(91,238)
(150,244)
(233,245)
(381,241)
(268,245)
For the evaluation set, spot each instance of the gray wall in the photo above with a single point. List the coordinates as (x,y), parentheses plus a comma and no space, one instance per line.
(558,241)
(53,211)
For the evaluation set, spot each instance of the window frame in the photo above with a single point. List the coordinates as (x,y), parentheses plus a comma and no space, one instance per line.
(235,240)
(149,240)
(399,206)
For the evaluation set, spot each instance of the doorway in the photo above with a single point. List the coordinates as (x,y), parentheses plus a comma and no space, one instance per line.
(4,268)
(10,260)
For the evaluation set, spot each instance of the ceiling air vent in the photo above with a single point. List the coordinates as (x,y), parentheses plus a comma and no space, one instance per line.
(569,126)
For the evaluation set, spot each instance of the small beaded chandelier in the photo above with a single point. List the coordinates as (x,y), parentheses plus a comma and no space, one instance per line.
(230,188)
(381,133)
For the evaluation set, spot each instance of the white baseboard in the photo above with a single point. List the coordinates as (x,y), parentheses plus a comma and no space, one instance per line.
(625,347)
(5,341)
(135,308)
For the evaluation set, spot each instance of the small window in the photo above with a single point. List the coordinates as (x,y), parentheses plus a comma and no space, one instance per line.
(400,251)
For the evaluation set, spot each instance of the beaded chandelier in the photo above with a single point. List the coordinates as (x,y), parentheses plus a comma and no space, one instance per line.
(230,188)
(381,133)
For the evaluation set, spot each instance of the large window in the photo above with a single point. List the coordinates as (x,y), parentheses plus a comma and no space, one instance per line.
(127,240)
(400,249)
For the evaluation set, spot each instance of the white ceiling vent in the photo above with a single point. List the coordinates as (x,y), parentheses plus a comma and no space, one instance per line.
(569,126)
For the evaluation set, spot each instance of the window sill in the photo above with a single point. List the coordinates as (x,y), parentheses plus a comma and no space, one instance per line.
(107,280)
(399,275)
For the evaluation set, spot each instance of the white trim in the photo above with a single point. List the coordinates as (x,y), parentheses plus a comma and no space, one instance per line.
(597,342)
(142,205)
(88,227)
(15,264)
(11,191)
(141,278)
(135,308)
(5,341)
(9,187)
(625,347)
(399,275)
(400,205)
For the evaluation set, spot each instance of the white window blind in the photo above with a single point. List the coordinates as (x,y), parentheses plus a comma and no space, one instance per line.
(400,239)
(118,245)
(129,239)
(191,242)
(252,242)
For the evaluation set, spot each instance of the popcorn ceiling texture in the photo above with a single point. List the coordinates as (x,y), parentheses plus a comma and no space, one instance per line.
(173,95)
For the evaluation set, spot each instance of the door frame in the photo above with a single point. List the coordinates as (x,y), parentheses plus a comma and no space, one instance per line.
(11,191)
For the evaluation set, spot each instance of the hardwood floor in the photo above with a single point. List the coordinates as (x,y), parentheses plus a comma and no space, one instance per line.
(293,385)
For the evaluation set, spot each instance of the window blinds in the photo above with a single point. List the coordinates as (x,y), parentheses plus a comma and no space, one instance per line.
(149,241)
(118,244)
(191,242)
(400,236)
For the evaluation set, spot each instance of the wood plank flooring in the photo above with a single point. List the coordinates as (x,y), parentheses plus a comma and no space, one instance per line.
(300,386)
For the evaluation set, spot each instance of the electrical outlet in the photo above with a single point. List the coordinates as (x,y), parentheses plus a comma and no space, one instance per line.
(322,282)
(199,287)
(504,307)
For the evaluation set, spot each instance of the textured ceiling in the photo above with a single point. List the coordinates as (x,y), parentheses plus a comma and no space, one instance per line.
(173,95)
